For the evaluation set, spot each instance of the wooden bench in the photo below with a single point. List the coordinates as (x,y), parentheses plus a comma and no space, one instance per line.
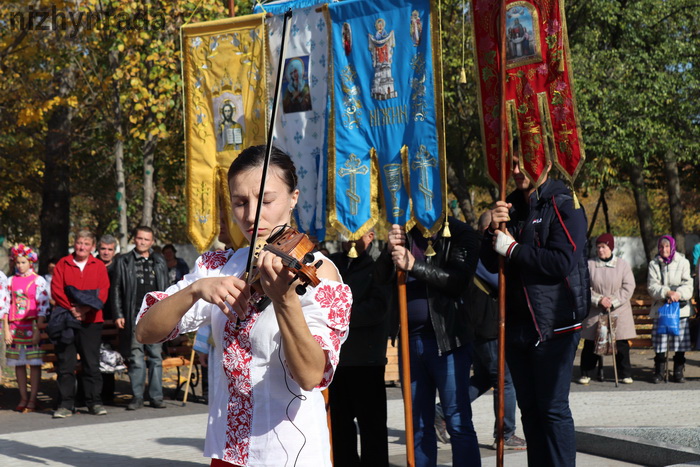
(110,335)
(642,323)
(641,307)
(176,354)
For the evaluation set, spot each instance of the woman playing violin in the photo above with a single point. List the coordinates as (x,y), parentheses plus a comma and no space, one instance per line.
(265,405)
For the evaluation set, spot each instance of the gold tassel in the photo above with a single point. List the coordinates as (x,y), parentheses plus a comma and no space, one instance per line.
(430,251)
(446,231)
(577,205)
(462,76)
(352,253)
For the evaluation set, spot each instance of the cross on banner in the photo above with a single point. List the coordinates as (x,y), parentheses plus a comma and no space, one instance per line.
(423,162)
(352,168)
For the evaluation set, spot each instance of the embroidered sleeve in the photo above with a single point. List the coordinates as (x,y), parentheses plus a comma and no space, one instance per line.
(207,265)
(4,295)
(327,310)
(42,296)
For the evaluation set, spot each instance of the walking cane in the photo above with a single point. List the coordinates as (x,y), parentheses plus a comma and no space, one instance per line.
(613,343)
(189,375)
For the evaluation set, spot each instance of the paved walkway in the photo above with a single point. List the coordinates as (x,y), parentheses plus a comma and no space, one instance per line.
(174,436)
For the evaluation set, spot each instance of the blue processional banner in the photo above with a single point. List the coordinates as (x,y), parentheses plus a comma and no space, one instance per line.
(386,119)
(300,127)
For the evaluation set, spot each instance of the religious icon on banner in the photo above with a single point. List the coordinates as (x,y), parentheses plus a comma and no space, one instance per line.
(296,97)
(522,35)
(229,134)
(347,38)
(381,46)
(416,28)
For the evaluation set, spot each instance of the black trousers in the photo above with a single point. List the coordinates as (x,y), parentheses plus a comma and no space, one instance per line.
(359,392)
(589,359)
(87,345)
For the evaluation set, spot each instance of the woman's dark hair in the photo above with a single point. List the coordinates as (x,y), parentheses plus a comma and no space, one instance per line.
(254,156)
(169,246)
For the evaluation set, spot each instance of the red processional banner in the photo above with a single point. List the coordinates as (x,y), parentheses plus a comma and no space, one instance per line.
(540,107)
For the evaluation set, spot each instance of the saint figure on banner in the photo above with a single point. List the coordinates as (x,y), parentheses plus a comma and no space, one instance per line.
(416,28)
(297,97)
(347,38)
(230,132)
(381,46)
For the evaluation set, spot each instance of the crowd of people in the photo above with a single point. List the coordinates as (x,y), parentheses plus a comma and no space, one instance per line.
(79,292)
(271,347)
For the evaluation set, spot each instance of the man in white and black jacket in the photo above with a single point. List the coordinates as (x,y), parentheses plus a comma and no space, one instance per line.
(547,297)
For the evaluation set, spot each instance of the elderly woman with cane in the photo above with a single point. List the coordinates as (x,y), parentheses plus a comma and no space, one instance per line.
(670,282)
(612,286)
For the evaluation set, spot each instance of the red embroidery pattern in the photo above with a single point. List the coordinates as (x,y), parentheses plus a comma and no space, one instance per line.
(237,358)
(213,259)
(338,299)
(151,299)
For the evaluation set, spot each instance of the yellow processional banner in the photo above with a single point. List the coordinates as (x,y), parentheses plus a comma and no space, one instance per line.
(224,81)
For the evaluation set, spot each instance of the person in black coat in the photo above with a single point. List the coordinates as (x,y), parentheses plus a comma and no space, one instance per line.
(358,391)
(547,297)
(136,273)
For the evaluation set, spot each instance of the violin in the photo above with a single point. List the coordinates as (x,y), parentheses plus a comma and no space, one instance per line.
(296,251)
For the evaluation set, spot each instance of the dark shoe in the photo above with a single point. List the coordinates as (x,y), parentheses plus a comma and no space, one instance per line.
(62,413)
(135,404)
(158,404)
(514,443)
(678,373)
(659,371)
(601,375)
(97,409)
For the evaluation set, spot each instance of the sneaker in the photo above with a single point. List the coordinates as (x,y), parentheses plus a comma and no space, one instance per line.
(62,413)
(514,443)
(584,380)
(135,404)
(158,404)
(627,381)
(97,409)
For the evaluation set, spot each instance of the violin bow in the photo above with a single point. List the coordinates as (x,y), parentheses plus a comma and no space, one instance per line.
(268,150)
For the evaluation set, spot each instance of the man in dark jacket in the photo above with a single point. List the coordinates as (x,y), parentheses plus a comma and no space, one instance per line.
(547,297)
(358,390)
(136,273)
(438,271)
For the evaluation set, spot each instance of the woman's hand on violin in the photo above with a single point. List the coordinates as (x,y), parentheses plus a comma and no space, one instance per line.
(274,278)
(229,293)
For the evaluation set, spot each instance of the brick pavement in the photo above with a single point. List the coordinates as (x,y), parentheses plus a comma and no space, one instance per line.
(174,436)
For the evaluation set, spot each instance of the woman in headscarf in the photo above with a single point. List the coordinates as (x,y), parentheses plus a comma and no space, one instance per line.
(670,281)
(612,286)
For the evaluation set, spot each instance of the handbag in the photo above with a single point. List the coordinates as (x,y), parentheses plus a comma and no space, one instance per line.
(605,334)
(669,319)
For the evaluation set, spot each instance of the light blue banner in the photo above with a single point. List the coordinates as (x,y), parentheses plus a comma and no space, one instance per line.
(383,98)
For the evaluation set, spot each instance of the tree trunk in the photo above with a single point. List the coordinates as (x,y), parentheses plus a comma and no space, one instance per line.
(121,189)
(644,213)
(149,149)
(55,201)
(119,130)
(673,186)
